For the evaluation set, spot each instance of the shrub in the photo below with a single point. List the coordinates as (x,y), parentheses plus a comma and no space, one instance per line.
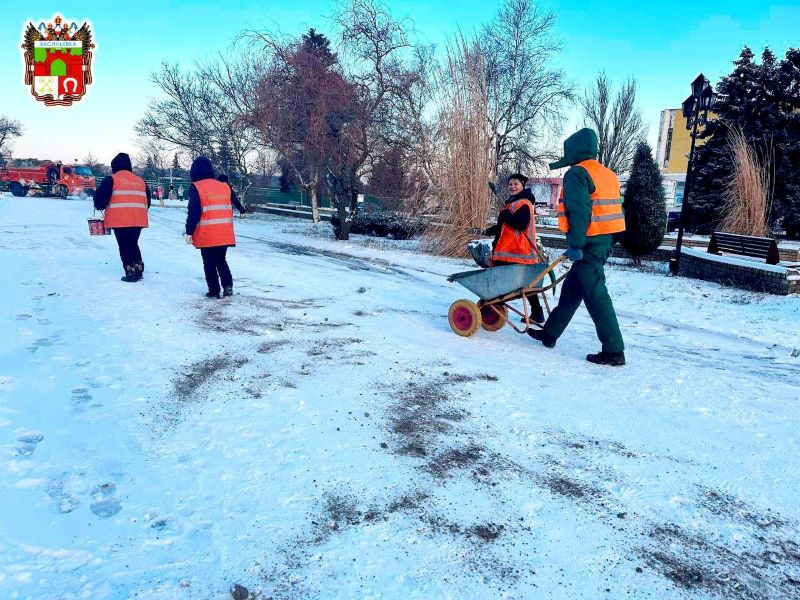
(383,223)
(645,206)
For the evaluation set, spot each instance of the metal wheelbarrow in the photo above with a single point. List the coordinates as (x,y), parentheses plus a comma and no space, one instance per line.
(496,287)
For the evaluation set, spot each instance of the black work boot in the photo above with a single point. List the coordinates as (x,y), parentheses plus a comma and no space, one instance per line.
(548,341)
(139,271)
(228,291)
(611,359)
(535,317)
(130,274)
(212,295)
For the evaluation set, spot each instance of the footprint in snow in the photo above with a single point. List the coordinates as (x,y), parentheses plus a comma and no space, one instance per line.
(80,396)
(100,381)
(40,343)
(105,504)
(105,508)
(62,501)
(28,442)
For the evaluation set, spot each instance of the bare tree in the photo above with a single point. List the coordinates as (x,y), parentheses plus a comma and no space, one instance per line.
(375,48)
(617,121)
(296,104)
(329,116)
(151,159)
(91,161)
(178,118)
(526,93)
(204,111)
(9,129)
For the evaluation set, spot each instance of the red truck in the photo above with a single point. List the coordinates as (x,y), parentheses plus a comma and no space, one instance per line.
(49,179)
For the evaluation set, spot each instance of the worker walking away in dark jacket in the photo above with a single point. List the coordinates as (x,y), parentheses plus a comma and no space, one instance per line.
(589,212)
(125,198)
(209,225)
(234,198)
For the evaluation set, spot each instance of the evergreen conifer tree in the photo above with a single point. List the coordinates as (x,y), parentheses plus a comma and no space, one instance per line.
(150,170)
(763,100)
(645,206)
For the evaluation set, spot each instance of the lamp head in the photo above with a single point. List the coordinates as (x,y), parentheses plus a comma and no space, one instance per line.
(688,107)
(698,85)
(707,98)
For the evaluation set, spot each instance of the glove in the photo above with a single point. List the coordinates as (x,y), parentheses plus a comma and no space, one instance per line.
(188,239)
(574,254)
(476,231)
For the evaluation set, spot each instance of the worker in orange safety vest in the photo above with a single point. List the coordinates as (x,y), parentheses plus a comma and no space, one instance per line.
(125,198)
(515,234)
(209,225)
(589,212)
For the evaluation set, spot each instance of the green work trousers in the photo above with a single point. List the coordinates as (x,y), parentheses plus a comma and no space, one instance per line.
(586,282)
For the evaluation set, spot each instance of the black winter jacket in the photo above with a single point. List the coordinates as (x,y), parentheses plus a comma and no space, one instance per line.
(102,195)
(518,220)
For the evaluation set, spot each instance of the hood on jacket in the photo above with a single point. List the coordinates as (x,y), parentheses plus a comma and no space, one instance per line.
(121,162)
(201,169)
(581,145)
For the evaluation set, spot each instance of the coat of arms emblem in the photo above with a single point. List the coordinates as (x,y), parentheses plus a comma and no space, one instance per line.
(58,61)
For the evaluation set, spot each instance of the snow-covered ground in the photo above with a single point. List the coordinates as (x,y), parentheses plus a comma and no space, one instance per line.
(323,433)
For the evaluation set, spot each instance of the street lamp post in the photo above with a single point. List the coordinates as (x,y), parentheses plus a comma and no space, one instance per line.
(695,110)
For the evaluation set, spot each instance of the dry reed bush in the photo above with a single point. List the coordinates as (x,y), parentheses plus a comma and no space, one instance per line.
(464,157)
(749,190)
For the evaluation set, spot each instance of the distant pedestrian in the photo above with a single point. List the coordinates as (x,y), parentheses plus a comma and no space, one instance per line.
(180,192)
(209,225)
(234,198)
(160,195)
(125,198)
(172,195)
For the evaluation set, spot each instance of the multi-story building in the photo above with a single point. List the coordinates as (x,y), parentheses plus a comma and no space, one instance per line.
(674,142)
(672,153)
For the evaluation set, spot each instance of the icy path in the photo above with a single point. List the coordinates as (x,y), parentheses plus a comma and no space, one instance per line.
(324,434)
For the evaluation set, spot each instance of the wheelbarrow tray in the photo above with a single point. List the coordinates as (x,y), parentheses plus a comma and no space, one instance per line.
(499,281)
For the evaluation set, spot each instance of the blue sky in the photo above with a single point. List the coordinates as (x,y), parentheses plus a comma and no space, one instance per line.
(663,47)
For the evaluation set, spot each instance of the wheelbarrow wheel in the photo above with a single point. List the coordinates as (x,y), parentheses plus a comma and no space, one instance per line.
(490,320)
(464,317)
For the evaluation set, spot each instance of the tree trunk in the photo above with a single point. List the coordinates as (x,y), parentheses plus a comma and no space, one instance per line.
(344,219)
(312,192)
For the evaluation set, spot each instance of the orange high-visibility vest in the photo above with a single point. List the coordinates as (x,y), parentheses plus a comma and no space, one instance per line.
(607,216)
(128,205)
(517,246)
(216,219)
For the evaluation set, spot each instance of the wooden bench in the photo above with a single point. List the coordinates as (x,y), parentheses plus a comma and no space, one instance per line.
(744,245)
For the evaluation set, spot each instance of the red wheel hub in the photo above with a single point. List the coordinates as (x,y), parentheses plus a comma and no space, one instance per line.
(462,317)
(490,317)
